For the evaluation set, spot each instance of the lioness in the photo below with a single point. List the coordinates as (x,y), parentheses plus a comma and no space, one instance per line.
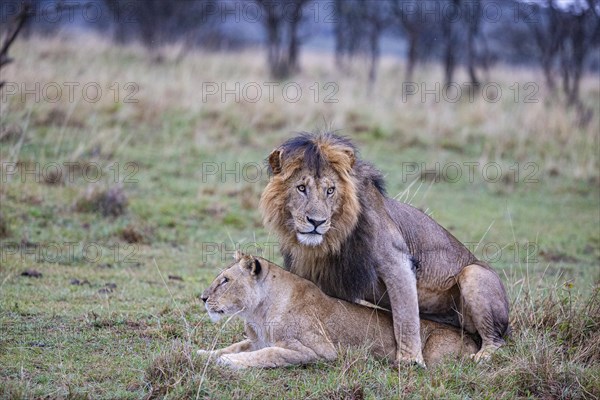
(289,320)
(337,228)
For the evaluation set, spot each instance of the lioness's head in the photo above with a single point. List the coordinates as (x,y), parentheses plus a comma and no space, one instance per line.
(236,290)
(311,198)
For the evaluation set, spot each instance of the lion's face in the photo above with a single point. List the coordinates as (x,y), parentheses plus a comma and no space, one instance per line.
(313,202)
(236,290)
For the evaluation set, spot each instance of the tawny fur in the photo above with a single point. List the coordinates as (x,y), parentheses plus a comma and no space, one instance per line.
(289,321)
(368,246)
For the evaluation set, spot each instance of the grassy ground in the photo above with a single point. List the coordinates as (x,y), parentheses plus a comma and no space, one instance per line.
(162,190)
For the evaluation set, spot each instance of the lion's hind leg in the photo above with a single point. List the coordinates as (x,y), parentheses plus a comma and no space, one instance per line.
(483,308)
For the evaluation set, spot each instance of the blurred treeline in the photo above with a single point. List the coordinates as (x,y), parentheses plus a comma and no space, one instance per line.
(560,37)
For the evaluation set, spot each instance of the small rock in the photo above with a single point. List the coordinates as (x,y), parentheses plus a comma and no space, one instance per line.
(108,288)
(32,273)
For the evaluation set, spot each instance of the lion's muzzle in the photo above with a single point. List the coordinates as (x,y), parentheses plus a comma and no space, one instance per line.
(311,233)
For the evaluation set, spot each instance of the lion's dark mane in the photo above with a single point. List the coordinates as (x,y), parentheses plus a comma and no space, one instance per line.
(350,273)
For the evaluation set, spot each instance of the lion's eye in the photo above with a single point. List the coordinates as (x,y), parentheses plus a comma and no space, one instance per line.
(330,190)
(301,188)
(224,281)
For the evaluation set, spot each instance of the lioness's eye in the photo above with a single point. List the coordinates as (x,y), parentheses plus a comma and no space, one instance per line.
(301,188)
(225,280)
(330,190)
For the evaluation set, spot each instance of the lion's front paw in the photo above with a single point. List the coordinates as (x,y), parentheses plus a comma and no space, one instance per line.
(484,355)
(229,361)
(406,361)
(479,357)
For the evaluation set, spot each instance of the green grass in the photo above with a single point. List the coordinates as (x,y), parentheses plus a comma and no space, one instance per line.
(128,330)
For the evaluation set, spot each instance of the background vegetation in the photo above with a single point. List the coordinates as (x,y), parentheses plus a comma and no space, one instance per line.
(99,273)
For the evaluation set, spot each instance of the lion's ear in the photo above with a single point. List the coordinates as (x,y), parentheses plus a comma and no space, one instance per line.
(275,161)
(351,156)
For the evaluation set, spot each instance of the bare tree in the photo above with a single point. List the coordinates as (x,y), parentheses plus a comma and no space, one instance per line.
(472,16)
(360,25)
(450,36)
(156,22)
(410,19)
(580,28)
(564,37)
(460,31)
(547,39)
(349,30)
(282,20)
(376,16)
(12,32)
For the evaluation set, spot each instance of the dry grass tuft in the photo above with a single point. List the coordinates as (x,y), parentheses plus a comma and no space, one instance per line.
(169,368)
(346,393)
(4,229)
(554,351)
(177,373)
(111,202)
(572,323)
(53,177)
(135,234)
(10,133)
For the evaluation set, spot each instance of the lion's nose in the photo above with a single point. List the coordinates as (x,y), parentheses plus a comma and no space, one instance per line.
(316,222)
(203,297)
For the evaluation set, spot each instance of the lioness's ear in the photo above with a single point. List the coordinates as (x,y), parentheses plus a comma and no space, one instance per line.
(238,255)
(351,156)
(256,267)
(275,161)
(251,264)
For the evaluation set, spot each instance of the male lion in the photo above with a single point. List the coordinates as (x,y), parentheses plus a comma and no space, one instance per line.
(289,320)
(337,228)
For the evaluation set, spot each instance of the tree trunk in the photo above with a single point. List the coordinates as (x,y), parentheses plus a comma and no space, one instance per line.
(449,60)
(471,61)
(412,56)
(292,56)
(274,47)
(374,45)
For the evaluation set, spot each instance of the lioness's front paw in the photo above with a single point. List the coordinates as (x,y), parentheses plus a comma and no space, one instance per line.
(206,353)
(229,361)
